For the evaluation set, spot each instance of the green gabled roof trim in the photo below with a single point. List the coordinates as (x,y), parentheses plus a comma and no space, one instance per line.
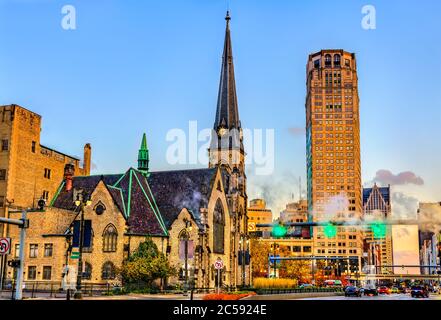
(130,193)
(155,211)
(57,193)
(119,180)
(122,199)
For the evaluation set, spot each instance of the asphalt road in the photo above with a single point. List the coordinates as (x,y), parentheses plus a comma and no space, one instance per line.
(379,297)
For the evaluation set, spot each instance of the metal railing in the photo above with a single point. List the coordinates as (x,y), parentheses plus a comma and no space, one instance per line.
(53,289)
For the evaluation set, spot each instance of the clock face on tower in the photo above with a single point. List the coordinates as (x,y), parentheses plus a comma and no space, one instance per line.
(222,131)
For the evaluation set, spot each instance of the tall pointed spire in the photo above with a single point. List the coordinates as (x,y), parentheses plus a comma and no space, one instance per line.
(143,156)
(227,114)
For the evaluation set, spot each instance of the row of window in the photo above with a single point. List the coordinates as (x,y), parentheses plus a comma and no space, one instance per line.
(108,272)
(335,251)
(5,145)
(33,250)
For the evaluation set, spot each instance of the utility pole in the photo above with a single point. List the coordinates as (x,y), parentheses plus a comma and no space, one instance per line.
(23,224)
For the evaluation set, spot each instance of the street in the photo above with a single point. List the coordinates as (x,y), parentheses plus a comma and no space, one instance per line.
(377,298)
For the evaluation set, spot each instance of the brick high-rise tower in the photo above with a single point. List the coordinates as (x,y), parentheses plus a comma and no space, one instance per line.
(333,152)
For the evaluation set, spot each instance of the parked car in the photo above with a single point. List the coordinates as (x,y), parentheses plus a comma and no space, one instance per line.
(383,290)
(352,291)
(394,290)
(370,291)
(306,286)
(419,291)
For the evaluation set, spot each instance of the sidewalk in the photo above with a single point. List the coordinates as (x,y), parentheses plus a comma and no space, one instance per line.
(131,296)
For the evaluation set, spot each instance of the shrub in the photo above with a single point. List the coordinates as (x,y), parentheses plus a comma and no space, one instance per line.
(227,296)
(265,283)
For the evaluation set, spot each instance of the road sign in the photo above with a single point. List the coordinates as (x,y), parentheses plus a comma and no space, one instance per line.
(251,226)
(75,255)
(5,246)
(218,264)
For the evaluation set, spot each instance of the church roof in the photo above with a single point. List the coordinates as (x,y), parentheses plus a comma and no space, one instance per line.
(150,205)
(227,114)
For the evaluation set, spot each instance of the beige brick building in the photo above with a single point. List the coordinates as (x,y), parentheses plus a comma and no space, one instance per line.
(29,171)
(333,150)
(258,213)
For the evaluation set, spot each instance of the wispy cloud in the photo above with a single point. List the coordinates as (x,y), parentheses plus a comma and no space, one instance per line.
(297,131)
(387,177)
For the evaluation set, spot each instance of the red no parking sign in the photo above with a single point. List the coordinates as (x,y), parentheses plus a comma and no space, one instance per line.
(5,246)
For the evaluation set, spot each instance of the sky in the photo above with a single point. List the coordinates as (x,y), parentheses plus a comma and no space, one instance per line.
(135,66)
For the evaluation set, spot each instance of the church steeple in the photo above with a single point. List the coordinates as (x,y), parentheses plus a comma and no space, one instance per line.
(143,156)
(227,114)
(226,147)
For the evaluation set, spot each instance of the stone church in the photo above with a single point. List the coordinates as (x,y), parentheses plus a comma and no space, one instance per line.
(195,217)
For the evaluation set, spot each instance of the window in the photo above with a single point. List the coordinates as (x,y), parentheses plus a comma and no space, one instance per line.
(87,274)
(218,228)
(108,271)
(47,272)
(45,195)
(110,238)
(48,249)
(337,60)
(99,208)
(5,145)
(47,173)
(33,251)
(2,174)
(32,272)
(17,250)
(328,60)
(296,249)
(317,64)
(33,146)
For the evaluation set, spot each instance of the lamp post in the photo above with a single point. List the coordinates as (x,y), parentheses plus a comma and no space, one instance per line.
(244,242)
(81,204)
(188,228)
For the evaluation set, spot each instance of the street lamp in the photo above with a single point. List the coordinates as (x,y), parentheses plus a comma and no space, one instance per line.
(244,245)
(81,203)
(188,228)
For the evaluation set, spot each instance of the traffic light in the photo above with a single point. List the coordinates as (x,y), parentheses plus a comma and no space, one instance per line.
(279,231)
(14,263)
(330,230)
(379,229)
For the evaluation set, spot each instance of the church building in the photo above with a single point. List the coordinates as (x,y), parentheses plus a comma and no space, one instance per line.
(195,217)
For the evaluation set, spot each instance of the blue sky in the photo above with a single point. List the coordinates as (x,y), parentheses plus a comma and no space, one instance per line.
(150,66)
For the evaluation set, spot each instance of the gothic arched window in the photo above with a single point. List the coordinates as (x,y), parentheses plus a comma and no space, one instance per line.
(110,238)
(336,60)
(328,60)
(218,228)
(108,271)
(87,275)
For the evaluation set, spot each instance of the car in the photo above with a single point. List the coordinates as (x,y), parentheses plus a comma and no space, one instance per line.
(306,286)
(383,290)
(352,291)
(370,291)
(419,291)
(394,290)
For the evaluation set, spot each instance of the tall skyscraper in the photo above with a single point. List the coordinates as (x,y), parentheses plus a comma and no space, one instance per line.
(333,152)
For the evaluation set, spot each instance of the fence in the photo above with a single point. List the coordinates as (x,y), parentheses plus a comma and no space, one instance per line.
(297,290)
(51,289)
